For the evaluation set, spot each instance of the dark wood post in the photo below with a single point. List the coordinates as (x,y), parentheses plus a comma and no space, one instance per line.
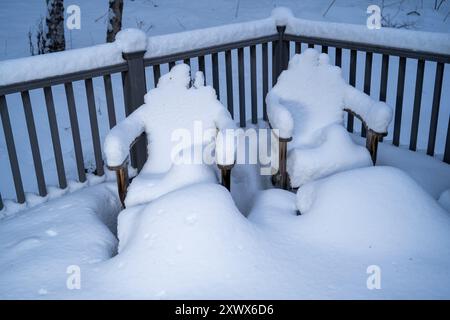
(134,91)
(280,58)
(226,175)
(281,178)
(284,179)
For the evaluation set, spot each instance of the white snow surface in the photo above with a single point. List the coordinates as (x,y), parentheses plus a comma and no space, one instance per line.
(178,121)
(444,200)
(182,246)
(307,103)
(131,40)
(171,112)
(37,246)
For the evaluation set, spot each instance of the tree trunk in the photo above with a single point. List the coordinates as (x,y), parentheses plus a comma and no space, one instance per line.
(114,19)
(54,36)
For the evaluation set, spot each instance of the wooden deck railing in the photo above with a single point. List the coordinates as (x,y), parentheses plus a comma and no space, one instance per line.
(258,62)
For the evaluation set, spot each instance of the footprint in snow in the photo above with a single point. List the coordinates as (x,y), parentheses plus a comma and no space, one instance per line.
(51,233)
(42,291)
(191,219)
(26,244)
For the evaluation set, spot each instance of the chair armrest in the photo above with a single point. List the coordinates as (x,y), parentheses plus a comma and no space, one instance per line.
(121,138)
(122,180)
(281,120)
(372,136)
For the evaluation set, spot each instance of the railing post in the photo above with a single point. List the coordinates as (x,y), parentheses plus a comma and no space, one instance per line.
(134,91)
(281,54)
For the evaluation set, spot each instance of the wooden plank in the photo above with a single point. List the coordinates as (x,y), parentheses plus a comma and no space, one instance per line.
(109,100)
(11,147)
(94,127)
(352,81)
(75,131)
(229,78)
(215,73)
(56,143)
(35,152)
(265,77)
(241,87)
(435,108)
(417,104)
(399,101)
(367,82)
(253,84)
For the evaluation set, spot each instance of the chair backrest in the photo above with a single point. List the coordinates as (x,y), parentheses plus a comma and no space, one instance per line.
(178,115)
(313,91)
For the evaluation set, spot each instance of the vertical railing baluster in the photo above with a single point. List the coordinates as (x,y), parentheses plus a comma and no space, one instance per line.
(215,73)
(229,77)
(399,101)
(253,84)
(156,74)
(417,103)
(435,108)
(75,131)
(367,82)
(241,87)
(55,137)
(352,81)
(274,62)
(447,144)
(11,147)
(94,126)
(384,77)
(109,100)
(298,47)
(201,65)
(265,77)
(338,57)
(31,127)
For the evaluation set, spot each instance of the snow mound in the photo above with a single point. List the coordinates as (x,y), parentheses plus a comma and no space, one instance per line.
(174,117)
(307,104)
(147,187)
(444,200)
(131,40)
(38,246)
(379,208)
(189,242)
(282,15)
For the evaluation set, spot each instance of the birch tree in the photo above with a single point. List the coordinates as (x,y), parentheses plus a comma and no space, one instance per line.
(114,19)
(54,33)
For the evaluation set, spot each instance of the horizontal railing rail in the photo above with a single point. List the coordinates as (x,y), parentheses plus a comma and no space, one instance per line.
(241,72)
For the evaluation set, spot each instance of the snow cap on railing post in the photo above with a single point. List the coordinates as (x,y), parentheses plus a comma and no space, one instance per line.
(281,16)
(133,44)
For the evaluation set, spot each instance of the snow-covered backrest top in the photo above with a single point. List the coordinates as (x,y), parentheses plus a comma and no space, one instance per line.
(174,116)
(312,94)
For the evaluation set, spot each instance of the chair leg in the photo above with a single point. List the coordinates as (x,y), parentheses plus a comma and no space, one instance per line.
(226,175)
(281,178)
(122,180)
(372,144)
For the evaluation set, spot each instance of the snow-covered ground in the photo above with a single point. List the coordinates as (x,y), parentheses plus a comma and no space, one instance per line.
(200,242)
(195,243)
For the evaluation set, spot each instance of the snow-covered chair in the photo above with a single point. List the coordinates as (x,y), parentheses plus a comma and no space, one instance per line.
(307,106)
(176,116)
